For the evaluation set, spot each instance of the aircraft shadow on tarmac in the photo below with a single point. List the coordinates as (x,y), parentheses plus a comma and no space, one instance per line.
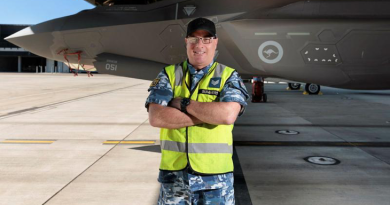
(374,94)
(153,148)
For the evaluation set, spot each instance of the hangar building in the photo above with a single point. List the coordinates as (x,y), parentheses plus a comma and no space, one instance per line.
(16,59)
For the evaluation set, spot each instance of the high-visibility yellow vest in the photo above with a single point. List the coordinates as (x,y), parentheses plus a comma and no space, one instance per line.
(205,148)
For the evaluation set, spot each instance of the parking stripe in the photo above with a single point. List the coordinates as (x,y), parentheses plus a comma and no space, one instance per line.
(27,141)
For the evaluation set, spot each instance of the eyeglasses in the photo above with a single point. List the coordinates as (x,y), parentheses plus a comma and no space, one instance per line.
(195,40)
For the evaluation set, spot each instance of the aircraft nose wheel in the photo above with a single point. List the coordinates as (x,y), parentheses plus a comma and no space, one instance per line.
(312,89)
(294,86)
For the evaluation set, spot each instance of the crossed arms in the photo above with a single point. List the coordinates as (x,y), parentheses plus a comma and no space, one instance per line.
(216,113)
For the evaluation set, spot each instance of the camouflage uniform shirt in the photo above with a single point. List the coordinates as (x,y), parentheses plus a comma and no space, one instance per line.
(161,93)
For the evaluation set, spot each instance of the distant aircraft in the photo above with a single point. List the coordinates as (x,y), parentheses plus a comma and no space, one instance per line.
(343,44)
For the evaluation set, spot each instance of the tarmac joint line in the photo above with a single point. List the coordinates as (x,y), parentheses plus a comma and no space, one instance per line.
(23,111)
(85,170)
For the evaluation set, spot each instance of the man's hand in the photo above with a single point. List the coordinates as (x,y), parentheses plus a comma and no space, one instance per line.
(175,103)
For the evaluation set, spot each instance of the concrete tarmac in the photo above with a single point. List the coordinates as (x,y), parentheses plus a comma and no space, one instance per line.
(87,141)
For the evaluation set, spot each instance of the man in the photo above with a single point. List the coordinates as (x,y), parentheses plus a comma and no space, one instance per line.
(195,104)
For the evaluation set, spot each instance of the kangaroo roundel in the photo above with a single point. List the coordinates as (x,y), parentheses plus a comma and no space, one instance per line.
(270,52)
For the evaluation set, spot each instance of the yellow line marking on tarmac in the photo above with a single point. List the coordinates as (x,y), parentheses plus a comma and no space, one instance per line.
(129,142)
(28,141)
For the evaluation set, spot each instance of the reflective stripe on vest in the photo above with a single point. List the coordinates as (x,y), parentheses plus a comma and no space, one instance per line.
(178,75)
(196,147)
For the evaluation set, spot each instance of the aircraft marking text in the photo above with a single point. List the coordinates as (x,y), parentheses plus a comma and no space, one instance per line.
(111,65)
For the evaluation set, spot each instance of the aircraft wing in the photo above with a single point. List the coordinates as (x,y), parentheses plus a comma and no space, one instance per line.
(91,2)
(335,43)
(120,2)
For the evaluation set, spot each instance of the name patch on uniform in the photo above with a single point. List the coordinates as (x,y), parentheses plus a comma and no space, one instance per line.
(215,83)
(155,82)
(209,92)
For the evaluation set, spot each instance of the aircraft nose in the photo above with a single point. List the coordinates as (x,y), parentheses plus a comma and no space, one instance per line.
(38,38)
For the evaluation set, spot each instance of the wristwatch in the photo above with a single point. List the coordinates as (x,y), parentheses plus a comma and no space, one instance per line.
(183,104)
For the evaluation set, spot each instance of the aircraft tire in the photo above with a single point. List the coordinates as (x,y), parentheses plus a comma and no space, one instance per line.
(264,97)
(294,86)
(312,89)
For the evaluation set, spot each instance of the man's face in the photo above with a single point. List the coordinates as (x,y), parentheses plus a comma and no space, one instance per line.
(199,54)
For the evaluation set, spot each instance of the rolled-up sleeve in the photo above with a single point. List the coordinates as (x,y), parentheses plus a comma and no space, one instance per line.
(235,91)
(160,90)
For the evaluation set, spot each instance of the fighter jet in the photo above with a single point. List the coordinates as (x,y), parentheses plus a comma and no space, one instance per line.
(341,44)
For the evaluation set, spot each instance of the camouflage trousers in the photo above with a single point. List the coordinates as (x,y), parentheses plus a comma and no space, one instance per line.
(179,193)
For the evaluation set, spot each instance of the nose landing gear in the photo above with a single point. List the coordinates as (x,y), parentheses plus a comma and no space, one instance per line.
(294,86)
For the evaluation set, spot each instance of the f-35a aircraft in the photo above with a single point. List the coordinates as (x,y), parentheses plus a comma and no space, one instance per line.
(343,44)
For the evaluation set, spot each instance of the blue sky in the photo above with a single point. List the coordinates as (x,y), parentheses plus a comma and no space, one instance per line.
(37,11)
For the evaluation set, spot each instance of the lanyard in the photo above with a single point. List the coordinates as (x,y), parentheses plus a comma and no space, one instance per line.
(185,78)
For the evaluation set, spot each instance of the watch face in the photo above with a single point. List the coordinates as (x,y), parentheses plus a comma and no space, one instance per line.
(184,103)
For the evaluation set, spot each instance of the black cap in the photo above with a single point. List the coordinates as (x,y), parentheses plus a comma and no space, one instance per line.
(201,24)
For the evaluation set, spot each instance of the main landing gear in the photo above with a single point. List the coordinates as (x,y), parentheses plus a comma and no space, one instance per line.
(310,88)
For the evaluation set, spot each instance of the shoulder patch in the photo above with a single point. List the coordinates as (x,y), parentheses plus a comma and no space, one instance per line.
(242,84)
(155,82)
